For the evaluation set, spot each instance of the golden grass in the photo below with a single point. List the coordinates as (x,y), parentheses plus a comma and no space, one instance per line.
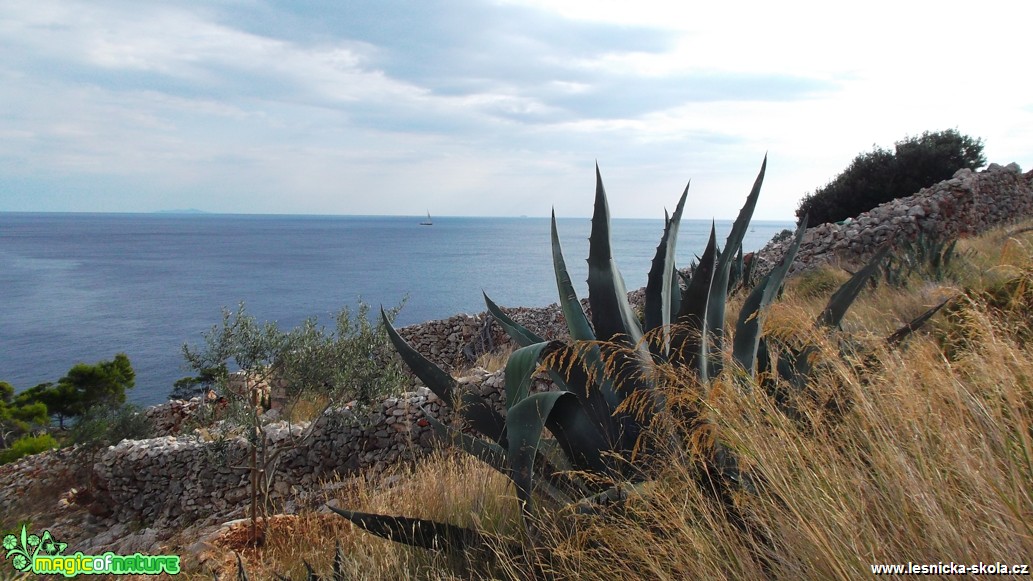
(445,487)
(931,460)
(491,361)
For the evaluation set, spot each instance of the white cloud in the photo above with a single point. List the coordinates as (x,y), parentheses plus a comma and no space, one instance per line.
(498,110)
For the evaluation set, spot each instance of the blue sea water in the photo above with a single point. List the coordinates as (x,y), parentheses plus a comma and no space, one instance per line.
(82,287)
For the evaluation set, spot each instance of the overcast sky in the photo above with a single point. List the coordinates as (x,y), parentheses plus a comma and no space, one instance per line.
(486,108)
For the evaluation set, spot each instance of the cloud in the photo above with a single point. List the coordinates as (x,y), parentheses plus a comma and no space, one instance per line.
(269,106)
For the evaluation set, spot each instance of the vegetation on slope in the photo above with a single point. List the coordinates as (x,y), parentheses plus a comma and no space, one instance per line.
(881,175)
(922,454)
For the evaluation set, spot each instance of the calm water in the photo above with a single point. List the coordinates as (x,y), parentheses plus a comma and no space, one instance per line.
(82,287)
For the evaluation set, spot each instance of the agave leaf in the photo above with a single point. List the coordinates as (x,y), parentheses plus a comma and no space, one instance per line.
(482,417)
(439,382)
(338,562)
(573,313)
(726,463)
(658,284)
(488,452)
(719,287)
(416,532)
(916,323)
(675,293)
(495,456)
(521,367)
(567,419)
(841,300)
(689,339)
(748,270)
(520,334)
(738,268)
(749,326)
(571,365)
(577,322)
(612,315)
(477,412)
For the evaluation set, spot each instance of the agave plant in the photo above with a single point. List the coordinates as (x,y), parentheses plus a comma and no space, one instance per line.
(595,431)
(607,393)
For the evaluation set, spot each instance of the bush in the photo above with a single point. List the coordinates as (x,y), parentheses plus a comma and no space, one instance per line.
(879,176)
(26,446)
(103,426)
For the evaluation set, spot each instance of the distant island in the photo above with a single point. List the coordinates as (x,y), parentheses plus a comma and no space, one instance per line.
(186,211)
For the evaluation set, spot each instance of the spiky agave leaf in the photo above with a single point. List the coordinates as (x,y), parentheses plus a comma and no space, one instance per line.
(749,326)
(416,532)
(581,330)
(439,382)
(689,340)
(841,300)
(916,323)
(569,422)
(719,288)
(658,284)
(490,453)
(555,485)
(521,367)
(477,412)
(518,333)
(481,416)
(577,322)
(612,315)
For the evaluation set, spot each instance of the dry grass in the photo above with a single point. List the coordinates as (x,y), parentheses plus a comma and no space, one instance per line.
(444,487)
(492,361)
(931,461)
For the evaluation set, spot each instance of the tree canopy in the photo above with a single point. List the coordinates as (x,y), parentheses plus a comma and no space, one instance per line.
(880,175)
(85,386)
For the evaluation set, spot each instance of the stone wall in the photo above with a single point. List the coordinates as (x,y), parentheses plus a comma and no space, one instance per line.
(455,343)
(968,203)
(175,480)
(180,478)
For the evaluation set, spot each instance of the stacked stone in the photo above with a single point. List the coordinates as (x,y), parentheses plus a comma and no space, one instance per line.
(444,342)
(39,472)
(168,418)
(968,203)
(180,479)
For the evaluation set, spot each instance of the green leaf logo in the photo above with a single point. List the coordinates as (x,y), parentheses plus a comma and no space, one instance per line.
(21,553)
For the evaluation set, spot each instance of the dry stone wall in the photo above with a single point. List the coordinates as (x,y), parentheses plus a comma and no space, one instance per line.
(968,203)
(181,477)
(456,342)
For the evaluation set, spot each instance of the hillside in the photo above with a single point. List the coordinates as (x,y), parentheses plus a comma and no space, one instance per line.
(897,452)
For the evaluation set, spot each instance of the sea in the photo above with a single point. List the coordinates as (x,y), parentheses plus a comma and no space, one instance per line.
(83,287)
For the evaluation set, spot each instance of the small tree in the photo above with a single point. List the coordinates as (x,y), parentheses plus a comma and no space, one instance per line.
(85,386)
(18,418)
(351,361)
(202,383)
(880,175)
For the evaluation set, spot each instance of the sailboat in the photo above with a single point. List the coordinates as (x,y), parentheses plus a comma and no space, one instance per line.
(428,222)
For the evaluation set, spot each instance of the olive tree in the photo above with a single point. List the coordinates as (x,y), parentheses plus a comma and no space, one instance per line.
(350,361)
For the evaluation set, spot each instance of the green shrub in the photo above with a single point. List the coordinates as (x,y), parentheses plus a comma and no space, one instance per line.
(785,234)
(879,176)
(26,446)
(102,426)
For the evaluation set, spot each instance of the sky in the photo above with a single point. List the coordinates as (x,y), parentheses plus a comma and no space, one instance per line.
(487,108)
